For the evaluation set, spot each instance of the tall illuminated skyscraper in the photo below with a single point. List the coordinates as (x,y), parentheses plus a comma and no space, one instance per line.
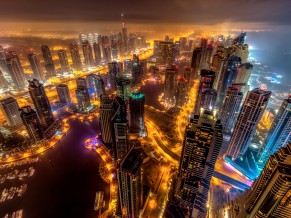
(243,76)
(181,92)
(136,71)
(97,53)
(87,52)
(41,103)
(227,77)
(129,176)
(48,61)
(83,98)
(269,195)
(251,112)
(3,65)
(240,39)
(128,65)
(170,84)
(105,119)
(9,108)
(16,72)
(3,81)
(206,96)
(64,94)
(196,61)
(114,69)
(136,112)
(63,60)
(123,87)
(124,33)
(231,106)
(35,66)
(165,54)
(279,134)
(77,64)
(119,126)
(32,124)
(81,82)
(107,54)
(202,142)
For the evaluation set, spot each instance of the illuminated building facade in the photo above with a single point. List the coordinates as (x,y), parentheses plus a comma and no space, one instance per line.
(10,109)
(114,69)
(75,55)
(97,53)
(269,195)
(196,61)
(83,98)
(119,126)
(165,55)
(231,105)
(202,142)
(227,77)
(35,66)
(16,72)
(279,134)
(170,85)
(123,87)
(243,76)
(87,52)
(63,60)
(136,112)
(251,112)
(81,82)
(105,119)
(48,61)
(206,96)
(32,124)
(181,92)
(130,184)
(41,103)
(64,94)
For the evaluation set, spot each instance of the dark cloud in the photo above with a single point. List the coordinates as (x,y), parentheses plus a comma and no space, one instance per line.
(148,11)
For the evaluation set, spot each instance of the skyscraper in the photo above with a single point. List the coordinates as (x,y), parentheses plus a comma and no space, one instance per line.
(87,52)
(170,84)
(206,96)
(97,53)
(203,45)
(130,183)
(227,77)
(16,72)
(3,65)
(165,55)
(128,65)
(114,69)
(240,39)
(63,60)
(136,71)
(77,64)
(196,61)
(269,195)
(32,124)
(136,112)
(124,33)
(181,92)
(48,61)
(107,53)
(9,108)
(99,86)
(35,66)
(123,87)
(243,76)
(231,106)
(119,125)
(202,142)
(41,102)
(3,81)
(279,134)
(83,98)
(105,119)
(251,112)
(64,94)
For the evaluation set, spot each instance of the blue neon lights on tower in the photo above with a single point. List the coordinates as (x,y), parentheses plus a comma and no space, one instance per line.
(279,134)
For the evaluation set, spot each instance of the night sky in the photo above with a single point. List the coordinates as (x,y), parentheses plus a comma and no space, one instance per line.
(260,14)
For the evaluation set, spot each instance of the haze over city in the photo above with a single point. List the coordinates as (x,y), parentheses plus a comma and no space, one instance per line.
(145,109)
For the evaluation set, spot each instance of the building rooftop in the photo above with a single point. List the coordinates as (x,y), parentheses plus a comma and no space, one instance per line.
(132,161)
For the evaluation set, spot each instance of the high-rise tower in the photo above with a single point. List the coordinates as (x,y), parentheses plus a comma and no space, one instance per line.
(35,66)
(64,94)
(251,112)
(41,102)
(279,134)
(77,64)
(63,60)
(202,142)
(136,111)
(9,108)
(48,61)
(87,52)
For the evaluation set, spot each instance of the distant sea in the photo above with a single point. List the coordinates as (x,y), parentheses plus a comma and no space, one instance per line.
(271,53)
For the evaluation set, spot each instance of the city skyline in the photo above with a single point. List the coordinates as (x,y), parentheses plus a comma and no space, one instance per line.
(145,122)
